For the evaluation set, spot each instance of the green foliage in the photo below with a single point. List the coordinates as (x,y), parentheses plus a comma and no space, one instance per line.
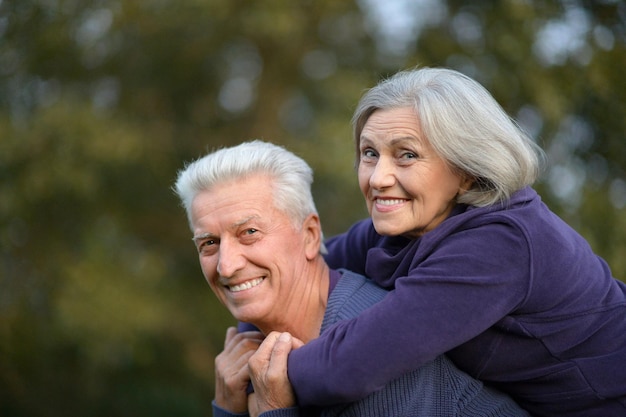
(103,309)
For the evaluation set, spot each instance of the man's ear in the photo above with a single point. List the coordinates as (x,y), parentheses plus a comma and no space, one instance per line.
(312,229)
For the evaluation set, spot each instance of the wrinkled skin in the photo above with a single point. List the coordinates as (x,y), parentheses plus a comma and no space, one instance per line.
(231,369)
(268,371)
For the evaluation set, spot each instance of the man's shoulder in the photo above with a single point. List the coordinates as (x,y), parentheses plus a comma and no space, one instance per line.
(352,294)
(354,284)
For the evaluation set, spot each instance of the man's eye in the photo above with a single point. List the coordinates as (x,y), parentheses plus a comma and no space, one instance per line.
(249,236)
(368,153)
(207,246)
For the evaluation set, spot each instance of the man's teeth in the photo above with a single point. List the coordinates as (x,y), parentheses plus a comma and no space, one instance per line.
(246,285)
(389,202)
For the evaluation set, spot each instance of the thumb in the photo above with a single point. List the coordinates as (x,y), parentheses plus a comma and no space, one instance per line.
(282,347)
(296,343)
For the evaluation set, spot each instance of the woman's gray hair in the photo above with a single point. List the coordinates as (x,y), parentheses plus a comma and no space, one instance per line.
(292,176)
(466,127)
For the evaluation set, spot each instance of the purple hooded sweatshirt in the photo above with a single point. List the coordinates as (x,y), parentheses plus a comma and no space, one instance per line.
(514,296)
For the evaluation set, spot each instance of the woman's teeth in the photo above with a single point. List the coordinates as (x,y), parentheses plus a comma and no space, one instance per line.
(389,202)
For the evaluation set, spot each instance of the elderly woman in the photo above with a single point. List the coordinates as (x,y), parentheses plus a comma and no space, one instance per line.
(480,267)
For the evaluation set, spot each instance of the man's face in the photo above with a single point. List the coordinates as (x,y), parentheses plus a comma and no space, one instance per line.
(250,252)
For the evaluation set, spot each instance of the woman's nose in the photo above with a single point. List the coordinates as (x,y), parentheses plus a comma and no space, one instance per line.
(383,174)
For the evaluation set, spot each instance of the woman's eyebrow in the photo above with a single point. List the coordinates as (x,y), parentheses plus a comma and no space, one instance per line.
(395,141)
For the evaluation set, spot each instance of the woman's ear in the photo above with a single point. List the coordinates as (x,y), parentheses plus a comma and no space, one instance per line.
(466,183)
(312,229)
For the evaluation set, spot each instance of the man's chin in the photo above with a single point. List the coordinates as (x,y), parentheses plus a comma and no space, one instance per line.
(245,316)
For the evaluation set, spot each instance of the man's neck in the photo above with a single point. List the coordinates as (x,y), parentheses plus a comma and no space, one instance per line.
(307,306)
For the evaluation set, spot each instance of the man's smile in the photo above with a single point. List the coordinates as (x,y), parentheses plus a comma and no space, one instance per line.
(245,285)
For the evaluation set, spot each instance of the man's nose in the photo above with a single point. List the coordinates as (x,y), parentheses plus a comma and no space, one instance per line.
(231,258)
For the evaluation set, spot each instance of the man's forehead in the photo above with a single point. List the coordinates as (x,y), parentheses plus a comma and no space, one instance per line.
(246,220)
(230,226)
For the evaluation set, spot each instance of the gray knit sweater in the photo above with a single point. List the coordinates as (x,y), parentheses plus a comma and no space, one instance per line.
(437,389)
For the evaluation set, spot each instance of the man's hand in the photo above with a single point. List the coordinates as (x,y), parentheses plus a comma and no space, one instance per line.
(231,370)
(268,371)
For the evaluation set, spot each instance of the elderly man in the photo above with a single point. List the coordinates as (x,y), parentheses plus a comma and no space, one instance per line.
(259,241)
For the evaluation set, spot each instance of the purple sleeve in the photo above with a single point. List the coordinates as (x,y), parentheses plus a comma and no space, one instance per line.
(349,250)
(462,288)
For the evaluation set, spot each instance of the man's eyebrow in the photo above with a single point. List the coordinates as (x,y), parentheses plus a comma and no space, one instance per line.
(235,225)
(245,220)
(203,236)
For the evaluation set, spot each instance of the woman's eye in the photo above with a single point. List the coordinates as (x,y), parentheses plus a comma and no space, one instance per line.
(409,155)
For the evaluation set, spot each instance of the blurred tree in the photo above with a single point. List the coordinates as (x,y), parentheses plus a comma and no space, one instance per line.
(103,310)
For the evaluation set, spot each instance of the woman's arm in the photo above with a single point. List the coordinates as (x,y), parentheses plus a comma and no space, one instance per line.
(348,250)
(467,284)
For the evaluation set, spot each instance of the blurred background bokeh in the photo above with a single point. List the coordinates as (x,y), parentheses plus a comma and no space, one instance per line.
(103,309)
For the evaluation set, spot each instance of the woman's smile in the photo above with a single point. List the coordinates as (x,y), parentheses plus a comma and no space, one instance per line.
(409,188)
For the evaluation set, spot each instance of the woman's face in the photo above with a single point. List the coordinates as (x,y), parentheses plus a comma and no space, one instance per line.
(408,188)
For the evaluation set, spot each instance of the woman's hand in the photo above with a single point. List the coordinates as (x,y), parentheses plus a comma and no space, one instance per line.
(268,371)
(231,370)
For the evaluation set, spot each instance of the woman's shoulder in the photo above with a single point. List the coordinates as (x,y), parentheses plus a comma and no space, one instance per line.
(501,229)
(523,208)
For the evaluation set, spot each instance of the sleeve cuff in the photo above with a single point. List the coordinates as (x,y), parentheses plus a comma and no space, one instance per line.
(282,412)
(220,412)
